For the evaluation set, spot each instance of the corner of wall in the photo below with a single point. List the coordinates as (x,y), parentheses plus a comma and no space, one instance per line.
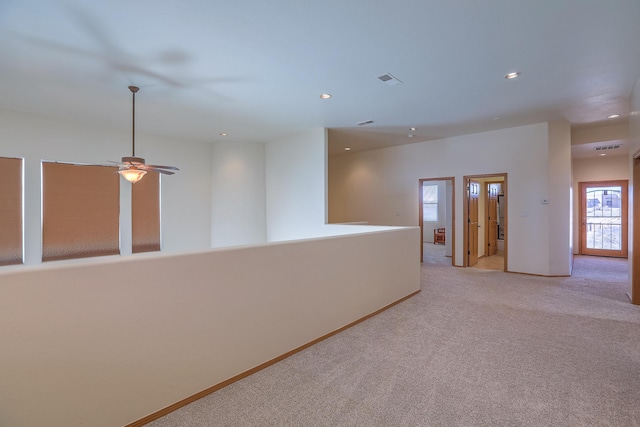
(238,200)
(559,198)
(296,184)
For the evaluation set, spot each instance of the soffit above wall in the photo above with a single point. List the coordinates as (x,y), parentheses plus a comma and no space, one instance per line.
(601,139)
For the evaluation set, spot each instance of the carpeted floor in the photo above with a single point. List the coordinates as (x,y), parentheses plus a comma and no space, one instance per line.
(474,348)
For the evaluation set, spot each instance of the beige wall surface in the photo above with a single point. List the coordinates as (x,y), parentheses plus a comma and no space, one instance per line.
(296,186)
(238,200)
(105,342)
(379,186)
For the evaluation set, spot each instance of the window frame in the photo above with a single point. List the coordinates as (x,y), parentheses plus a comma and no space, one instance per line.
(432,204)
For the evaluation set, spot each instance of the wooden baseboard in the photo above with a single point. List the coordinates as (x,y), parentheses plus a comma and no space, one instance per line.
(161,413)
(538,275)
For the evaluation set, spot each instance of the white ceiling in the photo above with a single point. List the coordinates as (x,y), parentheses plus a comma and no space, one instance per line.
(255,69)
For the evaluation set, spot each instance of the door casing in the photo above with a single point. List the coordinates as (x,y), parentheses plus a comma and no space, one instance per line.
(624,184)
(453,215)
(491,217)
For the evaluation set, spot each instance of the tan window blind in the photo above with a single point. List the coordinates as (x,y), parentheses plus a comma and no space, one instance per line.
(10,211)
(80,211)
(145,214)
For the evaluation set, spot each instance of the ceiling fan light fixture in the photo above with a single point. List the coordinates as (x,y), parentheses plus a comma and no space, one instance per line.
(133,168)
(132,175)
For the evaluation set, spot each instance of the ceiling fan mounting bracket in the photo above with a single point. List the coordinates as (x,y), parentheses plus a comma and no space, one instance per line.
(134,89)
(133,160)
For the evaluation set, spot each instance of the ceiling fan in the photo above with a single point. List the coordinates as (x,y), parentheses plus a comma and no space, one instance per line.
(133,168)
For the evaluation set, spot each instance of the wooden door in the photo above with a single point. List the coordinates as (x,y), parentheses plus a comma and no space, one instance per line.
(492,218)
(472,222)
(603,218)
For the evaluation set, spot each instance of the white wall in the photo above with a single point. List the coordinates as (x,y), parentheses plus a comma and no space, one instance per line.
(296,184)
(186,196)
(82,344)
(238,201)
(604,168)
(373,185)
(108,340)
(559,218)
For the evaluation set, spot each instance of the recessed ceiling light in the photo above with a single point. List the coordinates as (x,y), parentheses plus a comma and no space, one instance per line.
(512,76)
(347,148)
(410,135)
(603,154)
(325,96)
(613,116)
(412,129)
(223,134)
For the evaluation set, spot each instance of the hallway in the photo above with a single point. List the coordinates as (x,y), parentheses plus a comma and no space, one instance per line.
(435,254)
(474,347)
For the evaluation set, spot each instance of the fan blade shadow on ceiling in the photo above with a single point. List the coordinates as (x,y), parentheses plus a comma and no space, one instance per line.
(117,59)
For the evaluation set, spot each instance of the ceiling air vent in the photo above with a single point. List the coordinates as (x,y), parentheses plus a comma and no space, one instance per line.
(366,122)
(607,147)
(389,79)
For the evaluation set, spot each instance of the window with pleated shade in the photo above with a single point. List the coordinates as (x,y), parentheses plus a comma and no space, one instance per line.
(80,211)
(11,211)
(145,214)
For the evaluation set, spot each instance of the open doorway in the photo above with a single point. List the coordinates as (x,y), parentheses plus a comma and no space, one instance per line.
(485,220)
(436,218)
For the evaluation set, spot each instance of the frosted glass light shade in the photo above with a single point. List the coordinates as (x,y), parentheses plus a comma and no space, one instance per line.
(132,175)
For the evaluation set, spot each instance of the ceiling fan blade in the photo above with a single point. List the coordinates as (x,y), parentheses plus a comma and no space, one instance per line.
(166,172)
(109,165)
(173,168)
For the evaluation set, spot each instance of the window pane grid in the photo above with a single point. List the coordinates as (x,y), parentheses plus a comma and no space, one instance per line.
(430,203)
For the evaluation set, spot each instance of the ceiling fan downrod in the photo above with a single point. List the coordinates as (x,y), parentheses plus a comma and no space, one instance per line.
(133,90)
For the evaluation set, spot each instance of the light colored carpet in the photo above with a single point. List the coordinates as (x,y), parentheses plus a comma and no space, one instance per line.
(474,348)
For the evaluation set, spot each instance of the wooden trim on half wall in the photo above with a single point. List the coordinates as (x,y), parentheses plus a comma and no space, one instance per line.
(161,413)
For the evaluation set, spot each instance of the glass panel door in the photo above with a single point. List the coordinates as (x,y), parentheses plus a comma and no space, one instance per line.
(604,218)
